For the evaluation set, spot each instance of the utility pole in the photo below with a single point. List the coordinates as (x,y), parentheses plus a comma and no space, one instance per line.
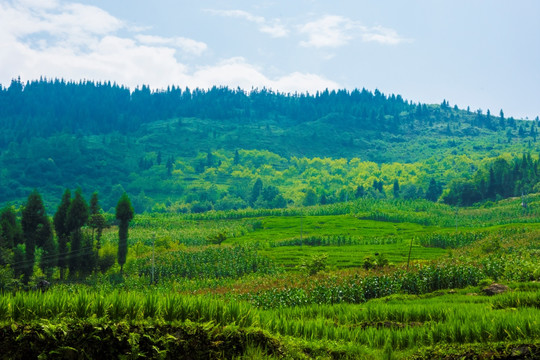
(153,257)
(456,216)
(409,259)
(301,228)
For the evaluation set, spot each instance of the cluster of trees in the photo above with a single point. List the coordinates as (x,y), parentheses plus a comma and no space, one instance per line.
(56,134)
(499,179)
(74,250)
(42,107)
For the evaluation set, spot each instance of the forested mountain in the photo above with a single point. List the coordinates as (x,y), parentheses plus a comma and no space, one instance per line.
(195,150)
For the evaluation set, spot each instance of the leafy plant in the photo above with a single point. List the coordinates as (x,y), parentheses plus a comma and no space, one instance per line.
(314,264)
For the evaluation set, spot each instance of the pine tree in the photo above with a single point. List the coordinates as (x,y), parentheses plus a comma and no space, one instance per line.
(96,220)
(359,192)
(77,217)
(124,213)
(434,190)
(256,191)
(49,255)
(396,188)
(10,235)
(62,231)
(36,230)
(170,165)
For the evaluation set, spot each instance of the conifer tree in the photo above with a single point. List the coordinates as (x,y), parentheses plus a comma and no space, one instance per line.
(434,190)
(49,256)
(256,191)
(396,188)
(36,230)
(77,217)
(96,220)
(62,231)
(124,213)
(10,235)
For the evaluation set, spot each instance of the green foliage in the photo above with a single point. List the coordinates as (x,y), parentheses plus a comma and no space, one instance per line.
(37,231)
(378,261)
(106,258)
(217,239)
(314,264)
(10,235)
(212,262)
(367,138)
(124,213)
(62,231)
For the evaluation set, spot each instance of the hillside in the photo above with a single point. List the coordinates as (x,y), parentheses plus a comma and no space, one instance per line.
(206,148)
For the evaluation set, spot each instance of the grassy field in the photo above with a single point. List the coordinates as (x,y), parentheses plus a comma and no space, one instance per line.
(326,283)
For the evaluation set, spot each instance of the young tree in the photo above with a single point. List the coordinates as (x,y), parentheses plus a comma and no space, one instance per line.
(256,191)
(97,220)
(62,232)
(170,165)
(396,188)
(36,230)
(49,255)
(10,235)
(434,190)
(77,217)
(310,198)
(124,214)
(359,192)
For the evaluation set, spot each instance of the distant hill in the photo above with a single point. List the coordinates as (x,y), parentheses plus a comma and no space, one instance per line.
(171,146)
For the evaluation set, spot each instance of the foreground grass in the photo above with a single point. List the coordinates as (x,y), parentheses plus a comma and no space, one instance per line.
(155,325)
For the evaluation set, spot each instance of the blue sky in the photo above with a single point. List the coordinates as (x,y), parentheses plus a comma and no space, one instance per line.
(482,54)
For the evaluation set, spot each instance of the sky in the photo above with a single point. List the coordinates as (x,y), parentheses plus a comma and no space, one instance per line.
(484,54)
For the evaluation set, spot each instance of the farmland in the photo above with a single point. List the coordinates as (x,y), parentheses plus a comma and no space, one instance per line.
(331,281)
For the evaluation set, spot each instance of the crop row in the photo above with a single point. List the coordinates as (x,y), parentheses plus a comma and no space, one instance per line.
(335,240)
(211,262)
(421,280)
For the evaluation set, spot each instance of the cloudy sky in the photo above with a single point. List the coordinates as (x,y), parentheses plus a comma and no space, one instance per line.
(483,54)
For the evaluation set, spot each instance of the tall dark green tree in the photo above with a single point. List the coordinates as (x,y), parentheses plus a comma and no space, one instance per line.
(256,191)
(49,254)
(10,235)
(62,231)
(310,198)
(36,230)
(396,188)
(359,192)
(77,217)
(434,190)
(97,220)
(170,165)
(124,214)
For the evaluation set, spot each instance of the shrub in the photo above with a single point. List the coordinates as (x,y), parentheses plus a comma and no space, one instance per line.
(106,258)
(314,264)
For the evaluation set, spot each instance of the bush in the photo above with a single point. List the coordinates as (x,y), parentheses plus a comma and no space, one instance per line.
(315,264)
(106,258)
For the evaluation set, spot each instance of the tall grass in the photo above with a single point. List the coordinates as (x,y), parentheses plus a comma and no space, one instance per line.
(122,305)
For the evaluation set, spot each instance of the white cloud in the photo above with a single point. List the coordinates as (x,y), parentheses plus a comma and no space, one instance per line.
(336,31)
(77,42)
(272,27)
(185,44)
(236,72)
(382,35)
